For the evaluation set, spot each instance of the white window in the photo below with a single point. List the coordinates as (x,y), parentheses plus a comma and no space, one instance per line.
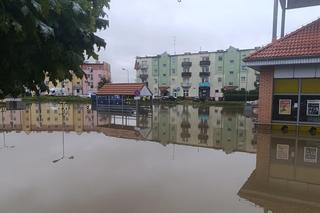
(186,60)
(219,79)
(243,79)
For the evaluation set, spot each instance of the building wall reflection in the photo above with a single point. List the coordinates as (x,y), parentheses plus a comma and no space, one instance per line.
(208,127)
(287,174)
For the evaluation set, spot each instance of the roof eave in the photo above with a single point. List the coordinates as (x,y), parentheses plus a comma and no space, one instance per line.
(258,63)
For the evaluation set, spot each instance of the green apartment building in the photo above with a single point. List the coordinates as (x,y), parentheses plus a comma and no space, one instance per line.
(203,74)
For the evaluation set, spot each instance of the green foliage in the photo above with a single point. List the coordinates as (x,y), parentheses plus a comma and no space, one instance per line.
(51,36)
(241,95)
(102,82)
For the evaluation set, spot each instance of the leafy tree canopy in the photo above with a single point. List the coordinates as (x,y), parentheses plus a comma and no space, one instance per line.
(47,35)
(103,81)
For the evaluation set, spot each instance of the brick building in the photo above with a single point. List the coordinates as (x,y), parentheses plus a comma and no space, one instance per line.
(290,78)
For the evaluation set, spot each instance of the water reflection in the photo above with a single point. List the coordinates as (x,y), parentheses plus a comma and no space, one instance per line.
(287,174)
(208,127)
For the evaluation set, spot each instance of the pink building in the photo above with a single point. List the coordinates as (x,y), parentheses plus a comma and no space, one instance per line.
(94,72)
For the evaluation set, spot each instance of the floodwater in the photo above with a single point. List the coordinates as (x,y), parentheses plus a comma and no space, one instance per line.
(72,159)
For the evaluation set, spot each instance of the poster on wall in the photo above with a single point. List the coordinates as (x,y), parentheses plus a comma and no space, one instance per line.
(310,154)
(285,107)
(313,108)
(282,152)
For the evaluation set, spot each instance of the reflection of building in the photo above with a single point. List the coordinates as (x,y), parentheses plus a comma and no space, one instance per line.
(290,78)
(202,74)
(287,175)
(208,127)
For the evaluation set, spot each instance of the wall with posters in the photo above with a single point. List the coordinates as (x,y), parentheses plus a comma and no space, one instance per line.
(296,100)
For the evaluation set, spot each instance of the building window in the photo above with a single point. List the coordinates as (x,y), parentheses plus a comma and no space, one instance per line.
(155,70)
(186,93)
(186,60)
(220,68)
(243,68)
(231,72)
(155,81)
(205,58)
(164,65)
(219,80)
(231,61)
(217,91)
(230,83)
(164,75)
(243,78)
(220,58)
(173,71)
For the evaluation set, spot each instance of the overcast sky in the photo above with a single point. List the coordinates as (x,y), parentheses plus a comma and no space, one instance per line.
(148,27)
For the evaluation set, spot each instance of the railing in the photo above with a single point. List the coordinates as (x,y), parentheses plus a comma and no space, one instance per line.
(204,74)
(186,64)
(186,74)
(205,63)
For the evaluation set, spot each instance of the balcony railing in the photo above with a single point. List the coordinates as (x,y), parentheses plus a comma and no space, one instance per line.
(186,74)
(205,63)
(204,74)
(144,67)
(185,84)
(144,77)
(186,64)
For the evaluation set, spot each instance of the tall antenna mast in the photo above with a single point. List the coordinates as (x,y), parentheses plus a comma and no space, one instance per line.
(174,45)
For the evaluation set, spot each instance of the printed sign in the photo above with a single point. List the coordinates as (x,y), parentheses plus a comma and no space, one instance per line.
(285,107)
(310,154)
(282,152)
(313,108)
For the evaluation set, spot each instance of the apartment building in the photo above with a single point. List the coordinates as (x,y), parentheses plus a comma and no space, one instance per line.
(94,72)
(203,74)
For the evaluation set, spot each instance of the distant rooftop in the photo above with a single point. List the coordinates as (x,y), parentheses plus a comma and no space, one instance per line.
(121,89)
(197,53)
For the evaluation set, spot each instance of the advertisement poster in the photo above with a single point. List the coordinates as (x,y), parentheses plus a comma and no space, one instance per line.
(310,154)
(285,107)
(282,152)
(313,108)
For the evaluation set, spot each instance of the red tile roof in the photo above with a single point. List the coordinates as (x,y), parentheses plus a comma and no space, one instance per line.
(302,43)
(120,89)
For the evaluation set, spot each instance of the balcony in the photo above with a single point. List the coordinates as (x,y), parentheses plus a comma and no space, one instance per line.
(186,64)
(186,74)
(204,74)
(144,77)
(205,63)
(185,84)
(144,67)
(204,84)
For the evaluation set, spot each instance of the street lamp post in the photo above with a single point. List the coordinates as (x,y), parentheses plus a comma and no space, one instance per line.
(124,69)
